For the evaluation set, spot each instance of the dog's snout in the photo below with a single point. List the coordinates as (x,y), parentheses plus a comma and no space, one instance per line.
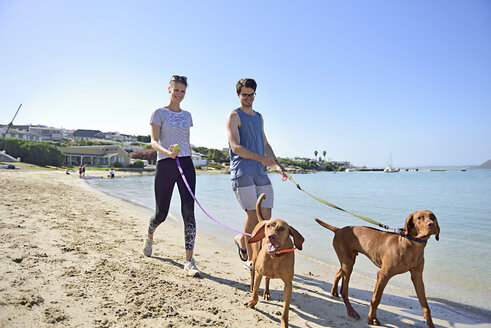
(272,236)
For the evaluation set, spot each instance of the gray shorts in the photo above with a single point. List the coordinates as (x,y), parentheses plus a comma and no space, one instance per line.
(247,189)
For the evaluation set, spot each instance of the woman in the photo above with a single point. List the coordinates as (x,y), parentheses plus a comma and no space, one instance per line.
(170,125)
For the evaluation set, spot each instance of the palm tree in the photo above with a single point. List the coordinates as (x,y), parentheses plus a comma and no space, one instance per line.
(324,153)
(315,154)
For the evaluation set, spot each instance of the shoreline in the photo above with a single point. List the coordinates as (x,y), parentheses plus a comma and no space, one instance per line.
(73,257)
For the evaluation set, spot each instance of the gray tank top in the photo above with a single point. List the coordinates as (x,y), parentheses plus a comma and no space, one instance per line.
(251,137)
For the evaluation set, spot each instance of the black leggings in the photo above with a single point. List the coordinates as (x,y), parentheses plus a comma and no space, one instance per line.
(166,176)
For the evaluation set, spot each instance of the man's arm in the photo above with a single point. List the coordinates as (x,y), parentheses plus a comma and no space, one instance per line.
(233,122)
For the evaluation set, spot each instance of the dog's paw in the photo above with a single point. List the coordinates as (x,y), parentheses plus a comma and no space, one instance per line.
(267,296)
(374,322)
(251,304)
(352,313)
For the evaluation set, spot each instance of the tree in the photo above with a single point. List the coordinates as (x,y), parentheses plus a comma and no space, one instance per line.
(149,155)
(217,155)
(201,150)
(137,163)
(143,138)
(315,153)
(324,153)
(34,152)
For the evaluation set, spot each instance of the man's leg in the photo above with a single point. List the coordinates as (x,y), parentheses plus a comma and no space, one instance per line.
(249,225)
(241,241)
(245,192)
(266,212)
(250,222)
(247,189)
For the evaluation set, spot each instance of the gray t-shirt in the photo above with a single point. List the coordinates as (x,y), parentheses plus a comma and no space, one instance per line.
(174,129)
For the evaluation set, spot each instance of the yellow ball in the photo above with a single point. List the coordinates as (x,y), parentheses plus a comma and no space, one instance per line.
(176,147)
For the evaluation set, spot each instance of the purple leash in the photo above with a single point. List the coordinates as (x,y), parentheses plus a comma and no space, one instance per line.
(194,197)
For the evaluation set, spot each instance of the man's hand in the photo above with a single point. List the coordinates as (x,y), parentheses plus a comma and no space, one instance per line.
(267,161)
(279,168)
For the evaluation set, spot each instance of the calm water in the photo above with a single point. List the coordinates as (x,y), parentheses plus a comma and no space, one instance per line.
(457,268)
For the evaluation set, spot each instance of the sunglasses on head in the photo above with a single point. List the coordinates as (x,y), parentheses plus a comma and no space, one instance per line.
(179,78)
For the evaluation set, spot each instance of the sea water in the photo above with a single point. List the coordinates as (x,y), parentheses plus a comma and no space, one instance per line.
(457,268)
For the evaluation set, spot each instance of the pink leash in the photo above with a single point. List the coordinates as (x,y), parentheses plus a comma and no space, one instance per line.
(194,197)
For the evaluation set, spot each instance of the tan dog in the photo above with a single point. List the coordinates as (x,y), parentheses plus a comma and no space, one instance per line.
(391,252)
(273,257)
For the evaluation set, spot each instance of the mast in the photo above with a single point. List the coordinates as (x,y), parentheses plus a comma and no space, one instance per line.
(8,126)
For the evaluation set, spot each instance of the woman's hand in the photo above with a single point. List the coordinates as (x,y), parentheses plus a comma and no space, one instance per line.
(172,153)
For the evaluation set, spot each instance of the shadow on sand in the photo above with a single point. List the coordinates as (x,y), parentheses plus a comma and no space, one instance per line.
(315,297)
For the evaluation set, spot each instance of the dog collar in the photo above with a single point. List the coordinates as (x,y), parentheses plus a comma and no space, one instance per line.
(281,251)
(421,241)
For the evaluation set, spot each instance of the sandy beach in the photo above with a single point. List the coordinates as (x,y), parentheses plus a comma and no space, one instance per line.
(71,257)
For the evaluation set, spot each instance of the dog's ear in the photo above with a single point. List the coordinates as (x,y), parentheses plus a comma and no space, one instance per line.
(258,232)
(297,238)
(409,224)
(437,236)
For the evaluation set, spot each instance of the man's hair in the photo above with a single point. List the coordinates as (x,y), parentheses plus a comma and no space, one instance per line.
(248,83)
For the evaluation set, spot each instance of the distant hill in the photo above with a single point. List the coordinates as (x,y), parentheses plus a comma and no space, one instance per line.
(485,165)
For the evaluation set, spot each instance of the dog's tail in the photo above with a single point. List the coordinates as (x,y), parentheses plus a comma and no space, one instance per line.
(258,207)
(327,226)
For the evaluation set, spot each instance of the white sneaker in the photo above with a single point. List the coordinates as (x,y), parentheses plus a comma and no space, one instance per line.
(147,246)
(191,269)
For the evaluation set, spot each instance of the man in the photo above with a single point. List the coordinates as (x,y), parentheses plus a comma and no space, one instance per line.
(249,152)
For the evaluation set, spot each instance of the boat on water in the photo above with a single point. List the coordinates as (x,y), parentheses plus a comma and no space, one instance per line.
(390,169)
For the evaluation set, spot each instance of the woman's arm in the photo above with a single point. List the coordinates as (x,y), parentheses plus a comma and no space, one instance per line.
(155,137)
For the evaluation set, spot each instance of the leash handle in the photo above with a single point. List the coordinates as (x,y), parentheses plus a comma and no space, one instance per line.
(196,200)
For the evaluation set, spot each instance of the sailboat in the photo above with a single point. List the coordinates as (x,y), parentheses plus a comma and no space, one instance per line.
(389,168)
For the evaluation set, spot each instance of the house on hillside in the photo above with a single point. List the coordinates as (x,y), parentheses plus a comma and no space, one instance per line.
(129,138)
(20,134)
(119,136)
(46,132)
(341,163)
(198,160)
(105,155)
(87,134)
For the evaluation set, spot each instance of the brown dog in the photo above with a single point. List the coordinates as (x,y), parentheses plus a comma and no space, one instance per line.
(273,258)
(391,252)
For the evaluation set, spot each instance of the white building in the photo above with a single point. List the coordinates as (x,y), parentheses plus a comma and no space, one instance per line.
(198,160)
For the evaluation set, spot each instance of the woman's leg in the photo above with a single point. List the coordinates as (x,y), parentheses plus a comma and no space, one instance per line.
(166,176)
(187,205)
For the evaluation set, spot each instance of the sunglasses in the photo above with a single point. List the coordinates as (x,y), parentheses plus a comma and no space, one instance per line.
(248,95)
(179,78)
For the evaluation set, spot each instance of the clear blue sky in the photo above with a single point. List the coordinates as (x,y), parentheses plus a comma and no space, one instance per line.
(358,79)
